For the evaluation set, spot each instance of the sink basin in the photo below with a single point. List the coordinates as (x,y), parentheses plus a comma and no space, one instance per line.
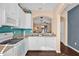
(11,41)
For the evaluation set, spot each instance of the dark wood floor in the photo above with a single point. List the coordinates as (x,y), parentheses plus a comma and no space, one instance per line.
(65,51)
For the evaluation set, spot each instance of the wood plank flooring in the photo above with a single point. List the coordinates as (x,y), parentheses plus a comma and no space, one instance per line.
(65,51)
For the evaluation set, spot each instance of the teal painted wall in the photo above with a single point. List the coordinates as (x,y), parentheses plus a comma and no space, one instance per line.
(5,29)
(28,31)
(16,31)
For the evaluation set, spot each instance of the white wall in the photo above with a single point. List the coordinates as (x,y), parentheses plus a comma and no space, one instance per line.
(62,31)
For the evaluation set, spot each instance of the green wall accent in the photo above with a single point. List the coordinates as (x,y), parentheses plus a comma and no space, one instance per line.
(5,29)
(28,31)
(16,31)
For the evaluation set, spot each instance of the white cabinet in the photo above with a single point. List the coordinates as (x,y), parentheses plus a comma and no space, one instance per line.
(12,15)
(1,17)
(10,52)
(9,14)
(50,43)
(28,21)
(21,18)
(42,43)
(32,43)
(35,43)
(22,47)
(25,20)
(2,14)
(19,49)
(25,45)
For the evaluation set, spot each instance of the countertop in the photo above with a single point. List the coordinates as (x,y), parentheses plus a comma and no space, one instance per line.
(4,48)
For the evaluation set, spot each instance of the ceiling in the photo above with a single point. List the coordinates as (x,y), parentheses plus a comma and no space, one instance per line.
(39,6)
(29,7)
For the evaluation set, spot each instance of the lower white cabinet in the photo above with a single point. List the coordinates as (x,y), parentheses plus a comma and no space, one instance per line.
(10,52)
(19,49)
(50,43)
(25,45)
(42,43)
(22,47)
(33,43)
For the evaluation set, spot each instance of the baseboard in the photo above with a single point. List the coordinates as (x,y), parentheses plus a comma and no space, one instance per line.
(73,48)
(64,43)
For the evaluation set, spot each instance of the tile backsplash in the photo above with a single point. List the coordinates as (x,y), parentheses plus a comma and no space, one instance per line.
(15,31)
(5,29)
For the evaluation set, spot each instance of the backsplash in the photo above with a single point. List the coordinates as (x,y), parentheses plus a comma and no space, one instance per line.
(16,31)
(28,31)
(5,29)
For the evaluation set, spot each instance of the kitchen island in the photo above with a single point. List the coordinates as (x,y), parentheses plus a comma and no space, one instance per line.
(42,42)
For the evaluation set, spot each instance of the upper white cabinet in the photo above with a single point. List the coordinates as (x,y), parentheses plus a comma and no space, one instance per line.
(25,20)
(1,17)
(12,15)
(21,18)
(9,14)
(2,14)
(28,21)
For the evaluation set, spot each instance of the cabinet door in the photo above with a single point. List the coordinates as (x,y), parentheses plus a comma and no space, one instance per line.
(50,43)
(41,43)
(28,21)
(25,45)
(10,52)
(11,14)
(20,48)
(33,43)
(11,10)
(21,18)
(16,13)
(2,14)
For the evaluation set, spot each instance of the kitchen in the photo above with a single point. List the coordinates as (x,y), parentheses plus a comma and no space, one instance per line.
(30,27)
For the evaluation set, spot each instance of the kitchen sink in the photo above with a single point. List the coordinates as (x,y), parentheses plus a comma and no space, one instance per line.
(12,41)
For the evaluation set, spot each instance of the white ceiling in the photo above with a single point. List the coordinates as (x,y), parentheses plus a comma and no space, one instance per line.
(39,6)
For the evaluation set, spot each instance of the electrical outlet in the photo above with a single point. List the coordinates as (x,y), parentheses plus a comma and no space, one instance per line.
(75,43)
